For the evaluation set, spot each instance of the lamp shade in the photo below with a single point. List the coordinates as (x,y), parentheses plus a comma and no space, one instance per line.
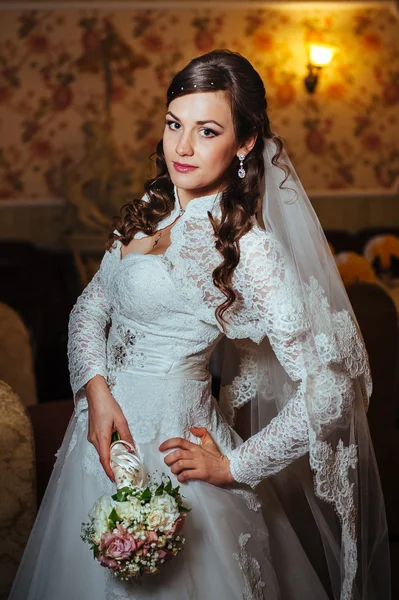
(321,55)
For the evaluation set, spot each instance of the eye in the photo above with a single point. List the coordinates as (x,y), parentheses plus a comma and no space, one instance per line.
(170,123)
(209,131)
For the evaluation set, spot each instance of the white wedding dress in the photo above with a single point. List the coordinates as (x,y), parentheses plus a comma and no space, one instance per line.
(155,357)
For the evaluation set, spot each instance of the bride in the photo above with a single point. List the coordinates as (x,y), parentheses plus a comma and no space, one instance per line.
(222,262)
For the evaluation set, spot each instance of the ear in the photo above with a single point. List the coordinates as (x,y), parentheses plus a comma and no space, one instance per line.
(247,147)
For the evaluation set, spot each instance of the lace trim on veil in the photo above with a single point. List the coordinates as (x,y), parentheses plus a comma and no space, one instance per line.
(251,571)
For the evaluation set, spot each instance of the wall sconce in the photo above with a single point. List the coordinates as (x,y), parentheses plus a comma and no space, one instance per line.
(320,55)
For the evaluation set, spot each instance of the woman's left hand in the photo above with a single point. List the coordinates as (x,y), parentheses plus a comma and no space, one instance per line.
(194,461)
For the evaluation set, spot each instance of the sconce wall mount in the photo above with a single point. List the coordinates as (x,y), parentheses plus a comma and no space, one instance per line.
(320,55)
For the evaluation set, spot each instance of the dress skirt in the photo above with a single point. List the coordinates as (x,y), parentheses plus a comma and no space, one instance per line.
(235,548)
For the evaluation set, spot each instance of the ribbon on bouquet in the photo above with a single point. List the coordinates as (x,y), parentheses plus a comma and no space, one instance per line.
(126,464)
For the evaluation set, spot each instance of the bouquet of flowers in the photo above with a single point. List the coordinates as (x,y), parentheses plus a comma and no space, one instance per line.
(137,529)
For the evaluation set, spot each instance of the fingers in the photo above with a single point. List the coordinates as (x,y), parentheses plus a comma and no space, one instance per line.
(199,431)
(177,455)
(203,434)
(124,432)
(188,475)
(182,465)
(176,443)
(104,454)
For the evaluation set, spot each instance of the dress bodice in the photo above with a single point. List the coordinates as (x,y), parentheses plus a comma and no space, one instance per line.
(154,328)
(154,325)
(145,295)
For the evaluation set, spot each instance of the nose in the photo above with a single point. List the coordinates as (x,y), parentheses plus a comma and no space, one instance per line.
(184,146)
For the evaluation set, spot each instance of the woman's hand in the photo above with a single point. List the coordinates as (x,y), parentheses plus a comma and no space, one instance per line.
(193,461)
(105,417)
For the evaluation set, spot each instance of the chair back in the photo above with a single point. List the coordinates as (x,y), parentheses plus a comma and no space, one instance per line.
(17,476)
(378,321)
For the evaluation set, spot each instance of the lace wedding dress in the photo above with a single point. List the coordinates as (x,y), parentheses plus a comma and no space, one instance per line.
(155,357)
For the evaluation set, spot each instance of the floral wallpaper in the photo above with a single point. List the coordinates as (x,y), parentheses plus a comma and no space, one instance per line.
(74,81)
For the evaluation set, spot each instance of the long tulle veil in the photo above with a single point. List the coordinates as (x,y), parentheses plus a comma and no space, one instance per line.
(333,495)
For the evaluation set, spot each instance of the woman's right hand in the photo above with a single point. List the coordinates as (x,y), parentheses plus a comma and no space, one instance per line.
(105,417)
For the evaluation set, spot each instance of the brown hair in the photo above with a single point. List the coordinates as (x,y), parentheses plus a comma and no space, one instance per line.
(215,71)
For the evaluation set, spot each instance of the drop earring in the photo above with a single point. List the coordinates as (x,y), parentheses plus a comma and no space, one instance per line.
(241,170)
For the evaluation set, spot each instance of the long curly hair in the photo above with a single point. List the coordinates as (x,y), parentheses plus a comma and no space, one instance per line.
(240,200)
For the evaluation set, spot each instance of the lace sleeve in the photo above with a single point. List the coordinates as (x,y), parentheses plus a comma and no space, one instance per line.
(242,388)
(284,440)
(87,333)
(280,316)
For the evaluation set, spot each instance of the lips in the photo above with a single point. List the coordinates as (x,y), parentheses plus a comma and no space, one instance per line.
(182,168)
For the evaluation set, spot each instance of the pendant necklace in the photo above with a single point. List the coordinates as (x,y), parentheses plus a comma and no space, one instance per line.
(181,212)
(157,240)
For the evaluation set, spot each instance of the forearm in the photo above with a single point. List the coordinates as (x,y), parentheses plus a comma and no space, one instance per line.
(285,439)
(87,336)
(95,385)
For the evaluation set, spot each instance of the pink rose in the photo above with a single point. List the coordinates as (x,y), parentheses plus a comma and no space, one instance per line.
(177,525)
(117,545)
(140,543)
(111,563)
(151,536)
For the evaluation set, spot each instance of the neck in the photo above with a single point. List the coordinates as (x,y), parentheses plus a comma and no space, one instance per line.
(185,196)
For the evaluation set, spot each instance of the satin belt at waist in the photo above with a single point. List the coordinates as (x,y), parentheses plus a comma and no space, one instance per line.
(159,365)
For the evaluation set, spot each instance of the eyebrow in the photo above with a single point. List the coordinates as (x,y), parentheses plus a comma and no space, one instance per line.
(198,122)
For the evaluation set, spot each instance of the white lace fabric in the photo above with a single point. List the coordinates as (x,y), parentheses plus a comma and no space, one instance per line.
(267,305)
(86,334)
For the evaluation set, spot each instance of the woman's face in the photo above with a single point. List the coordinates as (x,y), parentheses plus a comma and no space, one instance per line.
(199,133)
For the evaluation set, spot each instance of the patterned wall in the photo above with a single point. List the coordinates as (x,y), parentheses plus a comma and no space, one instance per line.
(53,99)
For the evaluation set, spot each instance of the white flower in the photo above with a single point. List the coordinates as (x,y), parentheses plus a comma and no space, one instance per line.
(100,513)
(129,510)
(163,512)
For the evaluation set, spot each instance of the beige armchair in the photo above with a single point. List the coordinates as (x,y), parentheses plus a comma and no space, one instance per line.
(17,484)
(16,362)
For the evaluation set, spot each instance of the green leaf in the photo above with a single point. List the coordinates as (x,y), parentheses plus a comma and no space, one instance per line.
(115,437)
(94,547)
(159,490)
(146,495)
(183,509)
(120,496)
(113,517)
(168,487)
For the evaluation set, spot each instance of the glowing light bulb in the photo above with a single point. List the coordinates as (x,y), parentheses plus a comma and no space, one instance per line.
(321,55)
